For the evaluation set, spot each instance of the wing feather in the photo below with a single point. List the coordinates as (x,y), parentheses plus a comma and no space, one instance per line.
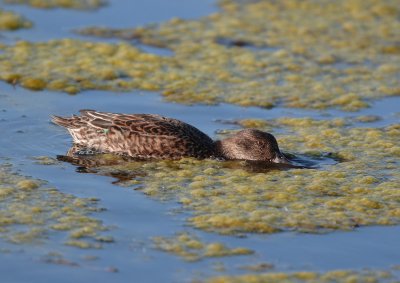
(143,124)
(137,134)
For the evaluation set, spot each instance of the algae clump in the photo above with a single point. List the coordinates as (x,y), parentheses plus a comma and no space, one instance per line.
(68,4)
(72,65)
(250,53)
(191,248)
(12,21)
(32,212)
(308,54)
(347,276)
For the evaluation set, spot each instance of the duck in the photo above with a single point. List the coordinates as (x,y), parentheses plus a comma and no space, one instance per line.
(151,136)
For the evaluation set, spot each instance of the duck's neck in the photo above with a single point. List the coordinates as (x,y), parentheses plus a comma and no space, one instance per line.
(218,149)
(221,151)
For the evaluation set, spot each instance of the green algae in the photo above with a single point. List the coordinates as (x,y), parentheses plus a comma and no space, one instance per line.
(67,4)
(367,118)
(224,197)
(309,54)
(72,66)
(45,160)
(190,248)
(342,276)
(250,53)
(259,267)
(32,212)
(11,21)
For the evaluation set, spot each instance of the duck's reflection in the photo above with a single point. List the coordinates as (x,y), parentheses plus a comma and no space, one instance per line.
(112,165)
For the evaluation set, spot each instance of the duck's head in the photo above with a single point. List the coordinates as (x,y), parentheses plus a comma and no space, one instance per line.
(251,144)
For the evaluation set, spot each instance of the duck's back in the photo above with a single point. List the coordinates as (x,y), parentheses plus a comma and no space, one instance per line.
(137,135)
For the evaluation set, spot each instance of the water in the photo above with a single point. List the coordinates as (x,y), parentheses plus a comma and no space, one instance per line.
(26,132)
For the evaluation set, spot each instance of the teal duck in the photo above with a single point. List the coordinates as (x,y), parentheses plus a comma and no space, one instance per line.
(149,136)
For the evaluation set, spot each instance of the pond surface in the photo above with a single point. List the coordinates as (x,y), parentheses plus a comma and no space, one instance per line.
(134,218)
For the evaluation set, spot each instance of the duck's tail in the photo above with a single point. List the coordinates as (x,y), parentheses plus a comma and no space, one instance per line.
(61,121)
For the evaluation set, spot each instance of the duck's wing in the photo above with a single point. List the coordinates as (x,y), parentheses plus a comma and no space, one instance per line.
(137,135)
(74,122)
(144,125)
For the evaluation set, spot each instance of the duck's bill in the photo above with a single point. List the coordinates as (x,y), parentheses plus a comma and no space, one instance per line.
(281,159)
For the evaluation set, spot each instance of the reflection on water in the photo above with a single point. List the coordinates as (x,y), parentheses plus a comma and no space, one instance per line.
(86,163)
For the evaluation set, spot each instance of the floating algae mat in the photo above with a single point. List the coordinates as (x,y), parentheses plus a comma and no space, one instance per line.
(32,212)
(339,276)
(68,4)
(72,65)
(191,248)
(309,54)
(360,190)
(11,21)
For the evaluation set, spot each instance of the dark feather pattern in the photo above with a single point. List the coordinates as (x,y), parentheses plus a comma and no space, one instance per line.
(137,135)
(148,136)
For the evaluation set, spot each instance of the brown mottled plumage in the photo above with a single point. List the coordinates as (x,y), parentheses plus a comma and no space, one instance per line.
(149,136)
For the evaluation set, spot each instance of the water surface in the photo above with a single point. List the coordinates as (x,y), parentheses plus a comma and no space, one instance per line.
(27,132)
